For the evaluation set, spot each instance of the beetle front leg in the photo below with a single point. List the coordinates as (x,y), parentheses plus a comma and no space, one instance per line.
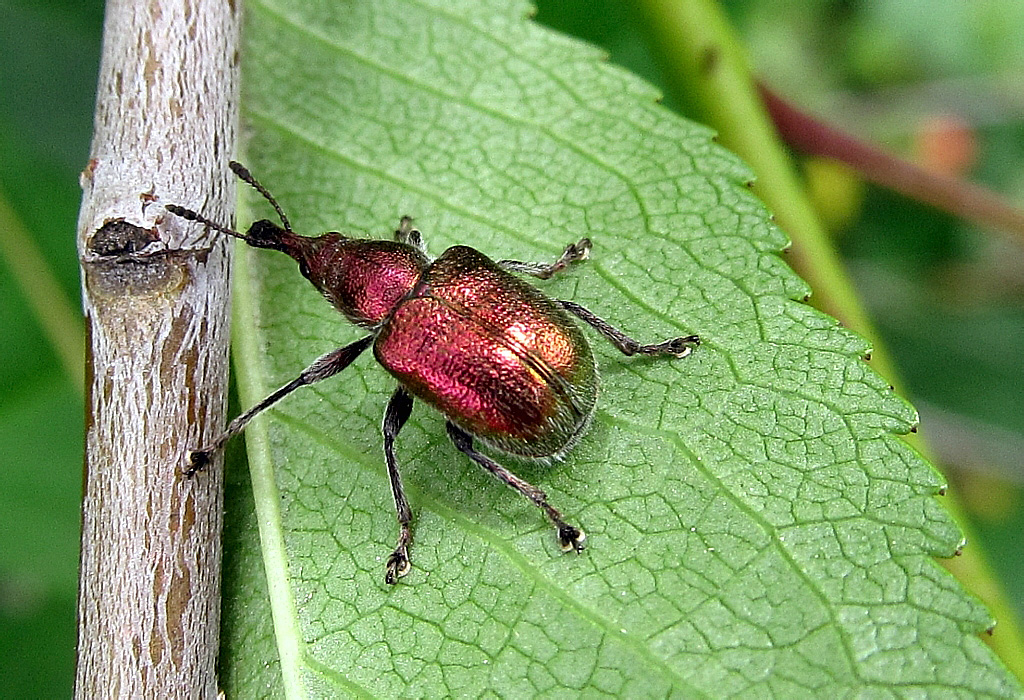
(409,234)
(572,253)
(322,368)
(680,347)
(395,416)
(570,537)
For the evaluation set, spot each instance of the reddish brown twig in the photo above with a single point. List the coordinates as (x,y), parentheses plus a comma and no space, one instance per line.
(963,199)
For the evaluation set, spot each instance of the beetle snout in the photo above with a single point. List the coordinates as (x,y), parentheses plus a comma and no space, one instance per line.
(265,234)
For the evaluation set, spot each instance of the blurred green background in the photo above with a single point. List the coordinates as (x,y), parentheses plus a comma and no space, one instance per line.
(939,82)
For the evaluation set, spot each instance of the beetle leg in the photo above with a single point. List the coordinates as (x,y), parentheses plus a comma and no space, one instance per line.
(572,253)
(680,347)
(323,367)
(571,538)
(395,415)
(409,234)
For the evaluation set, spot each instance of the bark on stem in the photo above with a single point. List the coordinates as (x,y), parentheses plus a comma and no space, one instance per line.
(156,305)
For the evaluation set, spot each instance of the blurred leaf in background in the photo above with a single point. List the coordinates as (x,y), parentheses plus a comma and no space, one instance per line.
(49,56)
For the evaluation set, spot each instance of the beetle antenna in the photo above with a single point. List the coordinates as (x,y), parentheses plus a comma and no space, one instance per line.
(190,215)
(245,176)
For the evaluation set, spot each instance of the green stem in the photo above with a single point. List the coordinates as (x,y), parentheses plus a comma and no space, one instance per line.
(706,67)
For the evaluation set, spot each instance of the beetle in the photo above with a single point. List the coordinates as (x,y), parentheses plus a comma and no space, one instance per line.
(502,362)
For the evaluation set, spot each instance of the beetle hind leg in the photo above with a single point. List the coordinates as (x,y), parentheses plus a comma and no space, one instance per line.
(395,416)
(570,537)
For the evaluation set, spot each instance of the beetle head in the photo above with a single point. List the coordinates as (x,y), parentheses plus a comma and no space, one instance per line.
(266,234)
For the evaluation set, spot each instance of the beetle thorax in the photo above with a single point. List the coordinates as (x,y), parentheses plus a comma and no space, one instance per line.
(366,279)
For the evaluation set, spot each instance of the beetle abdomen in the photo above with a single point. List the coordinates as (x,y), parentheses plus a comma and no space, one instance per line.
(493,354)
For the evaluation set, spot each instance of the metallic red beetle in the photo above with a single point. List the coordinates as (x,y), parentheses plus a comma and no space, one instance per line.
(503,362)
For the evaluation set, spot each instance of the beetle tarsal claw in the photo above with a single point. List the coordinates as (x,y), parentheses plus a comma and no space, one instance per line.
(578,251)
(682,346)
(571,538)
(197,461)
(397,566)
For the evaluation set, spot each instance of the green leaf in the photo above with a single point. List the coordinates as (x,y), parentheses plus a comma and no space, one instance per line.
(755,526)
